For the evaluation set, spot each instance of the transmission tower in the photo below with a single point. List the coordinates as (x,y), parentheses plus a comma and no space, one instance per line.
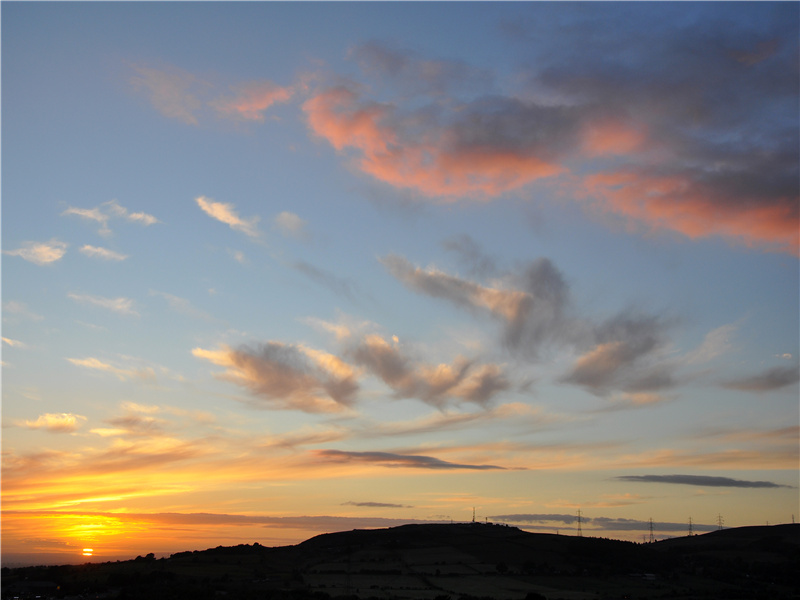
(651,530)
(580,531)
(473,514)
(691,533)
(720,522)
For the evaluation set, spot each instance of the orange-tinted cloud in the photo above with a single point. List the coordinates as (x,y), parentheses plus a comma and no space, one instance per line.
(434,160)
(288,376)
(462,380)
(56,423)
(252,99)
(696,209)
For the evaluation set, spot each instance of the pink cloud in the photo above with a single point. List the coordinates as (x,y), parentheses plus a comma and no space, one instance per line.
(252,99)
(680,203)
(435,163)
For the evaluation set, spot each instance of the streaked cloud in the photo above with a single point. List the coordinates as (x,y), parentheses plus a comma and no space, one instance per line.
(107,211)
(285,376)
(338,285)
(537,518)
(532,304)
(91,214)
(40,253)
(13,343)
(19,309)
(375,505)
(143,373)
(226,213)
(117,210)
(104,253)
(391,460)
(772,379)
(700,480)
(182,305)
(251,100)
(172,91)
(57,422)
(123,306)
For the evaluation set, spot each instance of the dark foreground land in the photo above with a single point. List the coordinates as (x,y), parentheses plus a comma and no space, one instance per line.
(439,562)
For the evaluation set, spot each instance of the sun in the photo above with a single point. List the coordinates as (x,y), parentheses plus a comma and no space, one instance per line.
(87,552)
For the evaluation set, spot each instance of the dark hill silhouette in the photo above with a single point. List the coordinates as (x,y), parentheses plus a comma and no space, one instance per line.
(439,561)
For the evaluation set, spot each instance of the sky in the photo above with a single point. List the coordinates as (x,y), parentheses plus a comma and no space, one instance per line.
(271,270)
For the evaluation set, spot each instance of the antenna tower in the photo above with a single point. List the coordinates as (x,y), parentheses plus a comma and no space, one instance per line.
(580,531)
(720,522)
(473,514)
(651,530)
(691,533)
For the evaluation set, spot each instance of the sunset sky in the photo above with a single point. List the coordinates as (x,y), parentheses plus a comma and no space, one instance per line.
(277,269)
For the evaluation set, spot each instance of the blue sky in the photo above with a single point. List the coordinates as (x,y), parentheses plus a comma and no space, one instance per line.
(302,267)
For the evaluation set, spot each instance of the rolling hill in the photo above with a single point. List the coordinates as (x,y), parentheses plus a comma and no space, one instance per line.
(446,561)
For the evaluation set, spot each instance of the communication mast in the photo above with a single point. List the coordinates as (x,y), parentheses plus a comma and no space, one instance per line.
(691,533)
(473,514)
(720,522)
(651,530)
(580,531)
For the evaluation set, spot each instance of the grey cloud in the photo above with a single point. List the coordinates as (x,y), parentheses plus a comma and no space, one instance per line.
(434,384)
(288,376)
(700,480)
(417,75)
(722,149)
(338,285)
(134,425)
(622,345)
(539,518)
(391,460)
(770,380)
(533,308)
(375,505)
(609,524)
(471,255)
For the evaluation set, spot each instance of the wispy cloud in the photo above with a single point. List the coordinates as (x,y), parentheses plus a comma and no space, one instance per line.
(13,343)
(338,285)
(40,253)
(13,307)
(532,304)
(772,379)
(700,480)
(375,505)
(288,376)
(182,305)
(56,422)
(391,460)
(251,100)
(123,306)
(143,373)
(434,384)
(226,213)
(106,211)
(104,253)
(292,225)
(171,91)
